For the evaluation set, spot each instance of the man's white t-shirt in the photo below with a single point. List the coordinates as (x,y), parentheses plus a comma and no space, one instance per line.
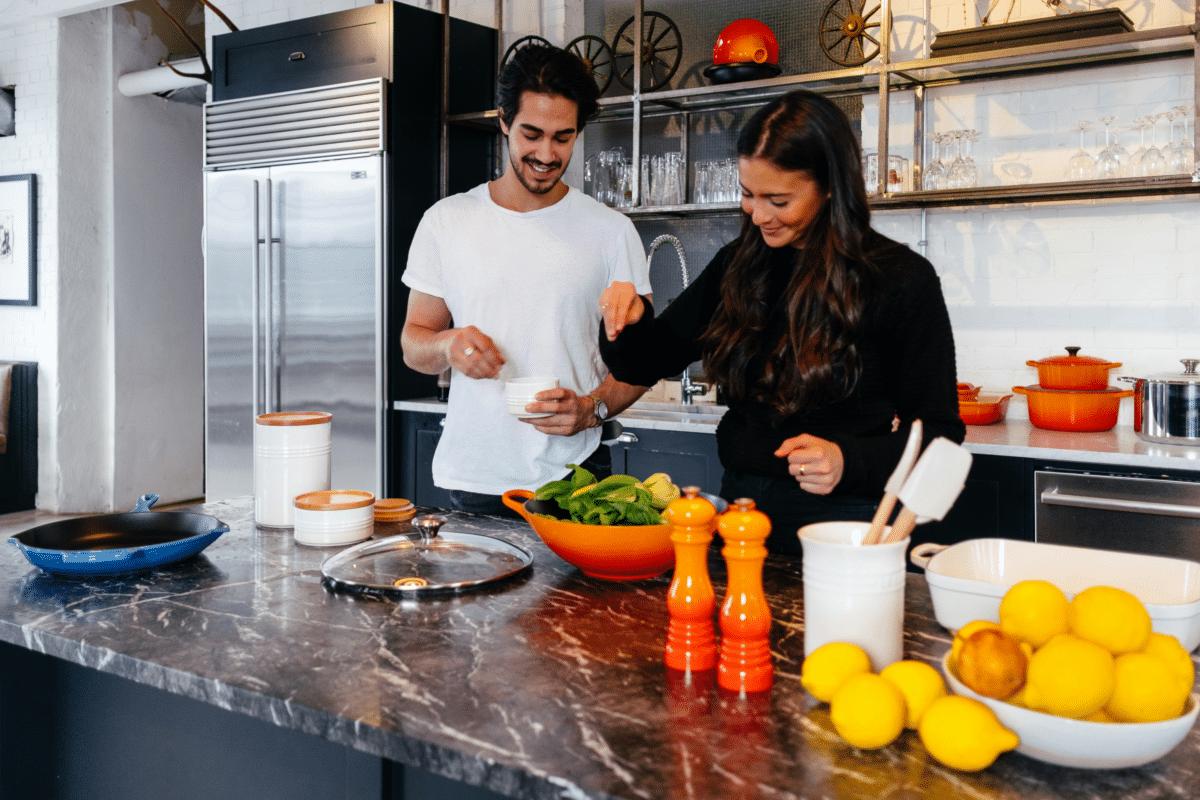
(531,281)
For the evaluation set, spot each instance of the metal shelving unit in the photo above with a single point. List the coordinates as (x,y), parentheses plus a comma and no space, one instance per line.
(886,78)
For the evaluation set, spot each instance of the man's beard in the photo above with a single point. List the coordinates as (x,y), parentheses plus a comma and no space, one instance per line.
(534,188)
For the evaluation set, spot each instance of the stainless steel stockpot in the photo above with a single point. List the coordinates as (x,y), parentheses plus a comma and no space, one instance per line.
(1167,406)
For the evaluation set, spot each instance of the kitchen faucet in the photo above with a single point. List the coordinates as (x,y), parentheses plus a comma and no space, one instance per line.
(687,389)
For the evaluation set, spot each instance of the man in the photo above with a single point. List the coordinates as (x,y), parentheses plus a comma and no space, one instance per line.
(517,266)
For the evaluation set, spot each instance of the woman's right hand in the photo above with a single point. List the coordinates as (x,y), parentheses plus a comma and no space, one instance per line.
(621,305)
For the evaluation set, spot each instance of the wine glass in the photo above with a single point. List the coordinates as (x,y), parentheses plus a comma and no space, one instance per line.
(955,140)
(1108,164)
(1173,153)
(1186,144)
(935,174)
(963,173)
(1153,162)
(1081,166)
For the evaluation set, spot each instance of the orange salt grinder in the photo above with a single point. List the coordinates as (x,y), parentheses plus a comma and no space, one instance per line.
(745,660)
(691,636)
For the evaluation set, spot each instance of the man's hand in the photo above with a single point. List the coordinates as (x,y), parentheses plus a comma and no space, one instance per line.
(571,413)
(816,464)
(473,353)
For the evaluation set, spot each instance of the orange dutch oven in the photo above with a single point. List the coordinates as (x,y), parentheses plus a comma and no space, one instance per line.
(1061,410)
(1073,371)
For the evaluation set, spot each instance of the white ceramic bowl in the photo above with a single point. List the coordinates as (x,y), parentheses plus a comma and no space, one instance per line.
(520,392)
(334,517)
(967,580)
(1088,745)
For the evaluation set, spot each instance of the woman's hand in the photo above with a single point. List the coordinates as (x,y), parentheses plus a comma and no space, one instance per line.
(816,464)
(621,305)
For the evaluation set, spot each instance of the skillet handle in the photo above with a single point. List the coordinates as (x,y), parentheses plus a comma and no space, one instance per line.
(145,501)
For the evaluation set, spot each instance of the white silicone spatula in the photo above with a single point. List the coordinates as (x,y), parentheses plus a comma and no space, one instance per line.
(894,484)
(932,487)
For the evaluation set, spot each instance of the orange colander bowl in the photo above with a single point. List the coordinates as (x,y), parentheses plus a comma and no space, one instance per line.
(611,552)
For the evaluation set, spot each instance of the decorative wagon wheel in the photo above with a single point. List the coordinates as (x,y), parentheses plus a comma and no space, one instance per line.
(844,27)
(597,56)
(519,43)
(661,50)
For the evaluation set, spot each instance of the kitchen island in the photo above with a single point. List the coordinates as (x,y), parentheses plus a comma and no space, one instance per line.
(550,685)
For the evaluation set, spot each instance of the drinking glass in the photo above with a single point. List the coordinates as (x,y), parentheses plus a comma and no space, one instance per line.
(1133,166)
(897,177)
(1108,164)
(1081,166)
(700,184)
(649,185)
(955,160)
(871,172)
(671,192)
(935,174)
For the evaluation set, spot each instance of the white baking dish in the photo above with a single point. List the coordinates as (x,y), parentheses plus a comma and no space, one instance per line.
(967,580)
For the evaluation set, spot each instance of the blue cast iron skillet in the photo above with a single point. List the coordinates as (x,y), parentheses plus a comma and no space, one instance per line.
(113,544)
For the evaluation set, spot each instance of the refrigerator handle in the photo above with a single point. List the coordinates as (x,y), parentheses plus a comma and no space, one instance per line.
(272,380)
(255,321)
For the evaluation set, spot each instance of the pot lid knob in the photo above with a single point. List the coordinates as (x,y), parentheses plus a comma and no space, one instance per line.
(428,525)
(1189,365)
(1072,351)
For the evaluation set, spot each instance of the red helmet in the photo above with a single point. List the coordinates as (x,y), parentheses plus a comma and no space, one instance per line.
(746,41)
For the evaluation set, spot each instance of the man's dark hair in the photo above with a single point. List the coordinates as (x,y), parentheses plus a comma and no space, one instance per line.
(546,69)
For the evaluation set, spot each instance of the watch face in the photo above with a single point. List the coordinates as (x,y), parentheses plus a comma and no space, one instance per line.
(601,410)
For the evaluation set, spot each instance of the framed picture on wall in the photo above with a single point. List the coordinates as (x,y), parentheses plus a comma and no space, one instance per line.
(18,240)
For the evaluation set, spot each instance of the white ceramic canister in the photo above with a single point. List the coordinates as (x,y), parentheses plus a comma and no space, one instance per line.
(292,452)
(341,516)
(853,592)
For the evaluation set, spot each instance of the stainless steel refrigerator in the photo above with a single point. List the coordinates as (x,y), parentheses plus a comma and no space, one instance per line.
(295,281)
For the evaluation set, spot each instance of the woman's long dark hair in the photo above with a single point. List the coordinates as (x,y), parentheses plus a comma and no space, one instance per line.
(815,362)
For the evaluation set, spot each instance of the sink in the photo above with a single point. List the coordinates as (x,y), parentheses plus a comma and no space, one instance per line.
(675,410)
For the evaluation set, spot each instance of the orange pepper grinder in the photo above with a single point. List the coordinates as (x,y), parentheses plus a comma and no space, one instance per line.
(691,636)
(745,660)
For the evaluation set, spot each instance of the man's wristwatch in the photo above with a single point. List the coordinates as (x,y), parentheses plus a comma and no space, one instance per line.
(599,408)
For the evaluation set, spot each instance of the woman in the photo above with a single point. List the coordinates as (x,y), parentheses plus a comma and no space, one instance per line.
(828,338)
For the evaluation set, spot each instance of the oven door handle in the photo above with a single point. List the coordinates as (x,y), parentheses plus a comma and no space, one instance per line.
(1053,498)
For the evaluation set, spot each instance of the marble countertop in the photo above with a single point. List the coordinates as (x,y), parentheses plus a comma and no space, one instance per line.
(551,685)
(1017,438)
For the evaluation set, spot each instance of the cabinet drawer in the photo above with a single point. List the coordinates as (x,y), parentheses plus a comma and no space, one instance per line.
(330,48)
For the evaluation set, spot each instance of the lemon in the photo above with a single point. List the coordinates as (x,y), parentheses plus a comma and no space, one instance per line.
(1112,618)
(1069,677)
(964,734)
(919,683)
(1147,690)
(868,711)
(964,633)
(1169,649)
(992,663)
(1034,611)
(827,667)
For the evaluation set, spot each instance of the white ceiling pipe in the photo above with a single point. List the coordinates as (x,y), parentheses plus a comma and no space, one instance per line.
(160,79)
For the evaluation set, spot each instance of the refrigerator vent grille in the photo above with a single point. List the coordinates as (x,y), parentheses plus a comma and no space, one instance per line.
(345,119)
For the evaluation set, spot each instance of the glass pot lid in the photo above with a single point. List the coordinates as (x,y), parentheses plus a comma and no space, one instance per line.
(429,561)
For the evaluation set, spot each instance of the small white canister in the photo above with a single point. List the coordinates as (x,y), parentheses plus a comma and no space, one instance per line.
(335,517)
(292,453)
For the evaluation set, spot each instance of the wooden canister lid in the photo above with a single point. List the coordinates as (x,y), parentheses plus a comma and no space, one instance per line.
(394,509)
(293,418)
(334,500)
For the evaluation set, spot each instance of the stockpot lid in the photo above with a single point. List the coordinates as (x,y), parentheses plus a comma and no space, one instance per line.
(1187,375)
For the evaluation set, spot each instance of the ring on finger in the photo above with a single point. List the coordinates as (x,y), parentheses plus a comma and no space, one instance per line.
(468,351)
(801,470)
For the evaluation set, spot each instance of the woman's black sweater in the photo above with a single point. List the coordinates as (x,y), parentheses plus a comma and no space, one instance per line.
(906,351)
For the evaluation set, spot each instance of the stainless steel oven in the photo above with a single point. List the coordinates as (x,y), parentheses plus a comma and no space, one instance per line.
(1132,513)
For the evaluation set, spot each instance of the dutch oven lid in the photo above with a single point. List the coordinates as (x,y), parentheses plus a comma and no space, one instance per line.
(1072,359)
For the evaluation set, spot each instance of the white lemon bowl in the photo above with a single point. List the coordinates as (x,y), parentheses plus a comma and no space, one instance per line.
(968,580)
(1087,745)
